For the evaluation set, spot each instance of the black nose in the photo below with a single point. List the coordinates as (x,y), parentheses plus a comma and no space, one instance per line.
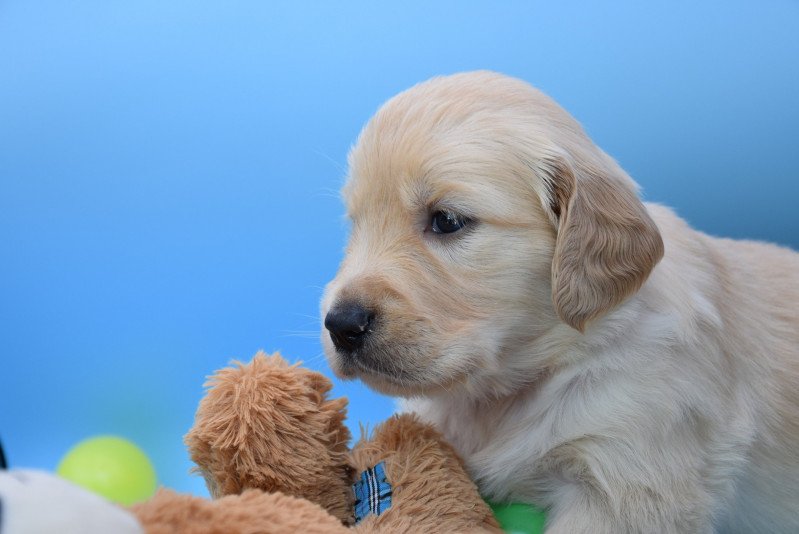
(349,325)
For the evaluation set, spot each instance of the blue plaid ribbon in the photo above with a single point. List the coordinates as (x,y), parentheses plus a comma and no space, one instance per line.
(372,492)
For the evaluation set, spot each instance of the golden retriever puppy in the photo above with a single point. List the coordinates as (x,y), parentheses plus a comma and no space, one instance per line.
(580,349)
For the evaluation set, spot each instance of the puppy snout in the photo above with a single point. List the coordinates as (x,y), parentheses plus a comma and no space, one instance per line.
(349,325)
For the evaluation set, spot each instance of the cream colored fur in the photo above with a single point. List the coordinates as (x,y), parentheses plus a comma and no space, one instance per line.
(564,359)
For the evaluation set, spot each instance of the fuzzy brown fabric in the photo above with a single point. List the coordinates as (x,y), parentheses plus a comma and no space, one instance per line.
(431,491)
(270,425)
(252,512)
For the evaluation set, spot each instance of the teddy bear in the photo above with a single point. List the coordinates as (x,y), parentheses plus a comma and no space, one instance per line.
(273,449)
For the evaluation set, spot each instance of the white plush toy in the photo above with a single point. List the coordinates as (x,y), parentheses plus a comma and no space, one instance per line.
(36,502)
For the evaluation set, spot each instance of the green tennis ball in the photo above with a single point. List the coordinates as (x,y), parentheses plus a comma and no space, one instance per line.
(112,467)
(518,518)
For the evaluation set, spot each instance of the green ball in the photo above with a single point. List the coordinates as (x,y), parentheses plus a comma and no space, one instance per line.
(112,467)
(519,518)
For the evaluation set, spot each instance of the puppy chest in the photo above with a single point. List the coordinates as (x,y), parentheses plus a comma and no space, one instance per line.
(505,463)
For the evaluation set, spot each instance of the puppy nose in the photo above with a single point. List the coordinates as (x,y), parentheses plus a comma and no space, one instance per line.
(348,325)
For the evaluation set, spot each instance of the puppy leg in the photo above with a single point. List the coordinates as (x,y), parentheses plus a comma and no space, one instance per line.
(605,488)
(576,513)
(583,513)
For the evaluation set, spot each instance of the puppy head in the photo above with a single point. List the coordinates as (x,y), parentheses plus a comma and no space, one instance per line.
(482,217)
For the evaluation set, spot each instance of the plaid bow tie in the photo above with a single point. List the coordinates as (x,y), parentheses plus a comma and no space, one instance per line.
(372,492)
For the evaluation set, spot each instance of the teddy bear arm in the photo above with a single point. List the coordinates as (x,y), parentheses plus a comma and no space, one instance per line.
(251,512)
(430,489)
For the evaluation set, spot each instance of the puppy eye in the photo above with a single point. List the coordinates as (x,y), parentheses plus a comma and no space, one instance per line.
(446,222)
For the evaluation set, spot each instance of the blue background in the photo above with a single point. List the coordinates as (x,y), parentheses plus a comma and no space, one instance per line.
(169,172)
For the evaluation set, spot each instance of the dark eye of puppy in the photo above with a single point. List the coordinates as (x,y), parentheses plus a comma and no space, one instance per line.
(447,222)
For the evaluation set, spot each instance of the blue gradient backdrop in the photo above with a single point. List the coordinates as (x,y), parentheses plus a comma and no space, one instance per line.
(169,172)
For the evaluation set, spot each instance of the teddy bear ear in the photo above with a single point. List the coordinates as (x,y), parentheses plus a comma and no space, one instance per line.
(273,370)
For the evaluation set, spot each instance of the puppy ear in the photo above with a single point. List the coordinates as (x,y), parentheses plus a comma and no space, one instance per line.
(606,244)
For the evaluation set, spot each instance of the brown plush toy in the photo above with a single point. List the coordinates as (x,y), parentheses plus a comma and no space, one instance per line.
(273,450)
